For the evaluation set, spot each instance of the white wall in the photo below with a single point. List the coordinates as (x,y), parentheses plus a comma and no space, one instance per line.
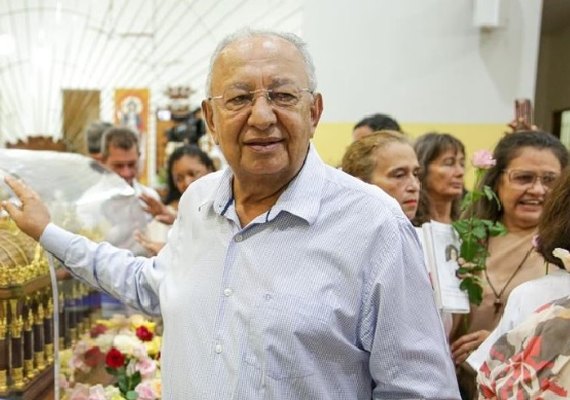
(421,60)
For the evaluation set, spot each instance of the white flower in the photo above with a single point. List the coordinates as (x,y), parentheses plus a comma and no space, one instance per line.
(563,255)
(105,341)
(126,344)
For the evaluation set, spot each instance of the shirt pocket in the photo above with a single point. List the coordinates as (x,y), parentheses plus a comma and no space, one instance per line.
(285,336)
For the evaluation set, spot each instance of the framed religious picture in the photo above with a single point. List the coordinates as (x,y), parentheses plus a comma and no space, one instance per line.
(132,110)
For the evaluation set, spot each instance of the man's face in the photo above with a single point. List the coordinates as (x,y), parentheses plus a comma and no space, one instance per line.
(123,162)
(262,140)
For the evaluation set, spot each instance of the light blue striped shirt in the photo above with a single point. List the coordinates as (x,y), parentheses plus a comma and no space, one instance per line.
(324,296)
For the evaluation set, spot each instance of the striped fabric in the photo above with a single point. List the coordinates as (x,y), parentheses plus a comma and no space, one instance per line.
(324,296)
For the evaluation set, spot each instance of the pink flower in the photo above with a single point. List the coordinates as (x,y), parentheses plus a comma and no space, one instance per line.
(146,367)
(535,241)
(146,392)
(79,392)
(483,159)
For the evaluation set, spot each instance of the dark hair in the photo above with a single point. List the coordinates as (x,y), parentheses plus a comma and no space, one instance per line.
(448,250)
(121,137)
(509,148)
(189,150)
(378,122)
(94,133)
(554,222)
(428,147)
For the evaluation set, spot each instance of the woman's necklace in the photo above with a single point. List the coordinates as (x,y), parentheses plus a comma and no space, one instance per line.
(498,303)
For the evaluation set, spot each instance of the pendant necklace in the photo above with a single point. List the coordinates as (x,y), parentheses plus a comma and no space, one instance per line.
(498,303)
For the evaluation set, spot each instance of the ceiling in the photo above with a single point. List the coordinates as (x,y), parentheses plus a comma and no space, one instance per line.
(49,45)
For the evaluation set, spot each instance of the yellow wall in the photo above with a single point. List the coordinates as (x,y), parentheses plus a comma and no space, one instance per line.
(331,139)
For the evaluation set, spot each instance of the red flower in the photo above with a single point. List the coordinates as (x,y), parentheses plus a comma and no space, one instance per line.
(144,334)
(93,356)
(115,359)
(97,330)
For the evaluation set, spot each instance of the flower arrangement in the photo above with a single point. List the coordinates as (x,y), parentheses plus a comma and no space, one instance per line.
(129,351)
(474,232)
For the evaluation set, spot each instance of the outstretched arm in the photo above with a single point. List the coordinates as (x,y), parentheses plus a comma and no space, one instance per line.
(32,216)
(135,280)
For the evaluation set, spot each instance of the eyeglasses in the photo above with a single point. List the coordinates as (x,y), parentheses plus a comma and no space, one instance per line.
(235,99)
(528,178)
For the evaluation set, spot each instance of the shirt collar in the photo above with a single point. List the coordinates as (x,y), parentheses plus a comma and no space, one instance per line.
(301,198)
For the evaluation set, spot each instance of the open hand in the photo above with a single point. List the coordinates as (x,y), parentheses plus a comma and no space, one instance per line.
(32,216)
(158,210)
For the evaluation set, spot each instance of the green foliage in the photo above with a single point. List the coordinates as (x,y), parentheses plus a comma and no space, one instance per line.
(474,234)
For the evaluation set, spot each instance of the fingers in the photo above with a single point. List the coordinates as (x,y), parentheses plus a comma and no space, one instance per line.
(467,344)
(32,216)
(11,209)
(167,219)
(20,189)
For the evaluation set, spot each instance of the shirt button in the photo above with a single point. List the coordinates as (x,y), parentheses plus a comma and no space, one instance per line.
(268,297)
(218,348)
(239,238)
(228,292)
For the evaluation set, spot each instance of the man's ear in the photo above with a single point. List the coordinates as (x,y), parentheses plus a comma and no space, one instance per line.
(316,111)
(207,112)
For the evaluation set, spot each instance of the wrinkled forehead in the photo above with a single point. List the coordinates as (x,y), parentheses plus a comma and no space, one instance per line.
(263,60)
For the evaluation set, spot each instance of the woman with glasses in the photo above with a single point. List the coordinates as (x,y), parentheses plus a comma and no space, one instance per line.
(527,165)
(387,159)
(442,160)
(553,232)
(539,340)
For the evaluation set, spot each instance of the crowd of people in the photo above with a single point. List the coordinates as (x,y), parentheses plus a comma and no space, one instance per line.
(264,295)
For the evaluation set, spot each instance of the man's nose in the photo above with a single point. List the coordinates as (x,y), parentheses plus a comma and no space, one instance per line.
(262,114)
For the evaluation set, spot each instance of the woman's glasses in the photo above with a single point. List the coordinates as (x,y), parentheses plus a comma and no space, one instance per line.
(521,178)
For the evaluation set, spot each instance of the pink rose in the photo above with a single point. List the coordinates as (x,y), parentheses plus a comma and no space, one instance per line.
(146,392)
(146,367)
(483,159)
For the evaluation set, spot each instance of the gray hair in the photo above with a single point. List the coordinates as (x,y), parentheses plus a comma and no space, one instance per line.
(252,33)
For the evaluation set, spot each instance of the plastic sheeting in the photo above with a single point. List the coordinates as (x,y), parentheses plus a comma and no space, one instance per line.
(82,195)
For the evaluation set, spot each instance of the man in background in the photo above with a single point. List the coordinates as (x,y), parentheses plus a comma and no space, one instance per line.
(373,123)
(121,154)
(94,134)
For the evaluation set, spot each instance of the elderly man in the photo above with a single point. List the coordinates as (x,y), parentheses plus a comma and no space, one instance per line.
(262,293)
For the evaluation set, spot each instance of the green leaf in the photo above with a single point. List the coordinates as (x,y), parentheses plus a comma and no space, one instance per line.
(135,379)
(132,395)
(480,232)
(469,249)
(466,201)
(461,226)
(497,229)
(111,371)
(474,290)
(123,384)
(489,193)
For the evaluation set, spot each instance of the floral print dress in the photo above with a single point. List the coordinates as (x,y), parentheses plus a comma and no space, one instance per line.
(532,361)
